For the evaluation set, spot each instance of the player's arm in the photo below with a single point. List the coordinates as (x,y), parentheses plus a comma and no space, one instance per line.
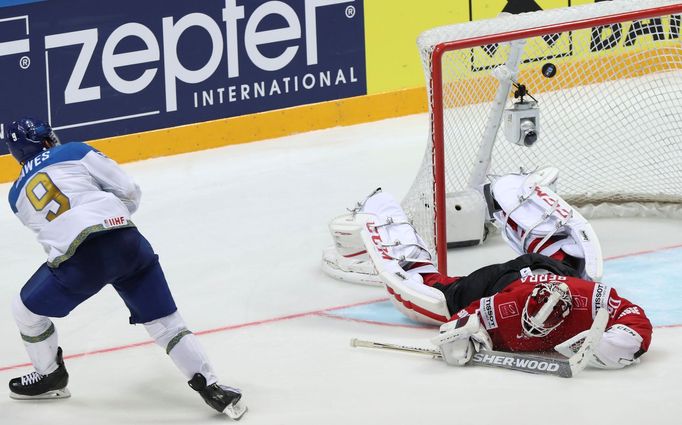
(627,336)
(111,178)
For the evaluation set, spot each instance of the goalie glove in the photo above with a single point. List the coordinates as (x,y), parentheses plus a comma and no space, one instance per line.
(459,339)
(620,346)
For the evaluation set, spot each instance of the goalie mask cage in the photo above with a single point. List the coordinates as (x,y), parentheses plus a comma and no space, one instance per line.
(610,113)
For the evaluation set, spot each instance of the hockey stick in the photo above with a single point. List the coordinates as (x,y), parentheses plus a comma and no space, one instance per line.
(515,361)
(531,363)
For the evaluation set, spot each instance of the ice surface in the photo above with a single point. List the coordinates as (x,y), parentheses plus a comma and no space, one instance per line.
(240,230)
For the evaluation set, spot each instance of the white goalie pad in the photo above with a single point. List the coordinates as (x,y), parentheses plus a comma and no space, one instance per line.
(400,239)
(407,291)
(348,260)
(539,214)
(355,268)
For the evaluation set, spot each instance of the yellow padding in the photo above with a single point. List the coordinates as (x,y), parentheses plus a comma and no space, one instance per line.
(249,128)
(572,73)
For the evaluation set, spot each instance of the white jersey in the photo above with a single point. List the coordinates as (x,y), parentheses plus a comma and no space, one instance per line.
(69,192)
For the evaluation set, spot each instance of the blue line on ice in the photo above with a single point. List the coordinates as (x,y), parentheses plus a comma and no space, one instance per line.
(651,280)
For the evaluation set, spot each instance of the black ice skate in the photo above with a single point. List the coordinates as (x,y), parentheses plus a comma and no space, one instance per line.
(223,399)
(35,386)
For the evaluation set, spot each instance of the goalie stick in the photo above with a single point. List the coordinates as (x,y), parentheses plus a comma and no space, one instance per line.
(531,363)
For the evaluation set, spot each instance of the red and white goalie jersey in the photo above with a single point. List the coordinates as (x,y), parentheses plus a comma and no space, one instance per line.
(501,315)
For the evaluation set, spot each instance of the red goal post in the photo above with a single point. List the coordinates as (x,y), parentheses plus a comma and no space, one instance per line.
(610,117)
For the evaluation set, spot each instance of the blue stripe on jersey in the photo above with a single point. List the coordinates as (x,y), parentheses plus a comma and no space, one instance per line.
(72,151)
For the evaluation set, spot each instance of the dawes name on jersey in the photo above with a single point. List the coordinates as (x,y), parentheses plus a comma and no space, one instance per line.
(70,191)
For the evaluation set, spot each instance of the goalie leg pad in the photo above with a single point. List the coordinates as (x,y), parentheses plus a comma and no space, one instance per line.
(415,300)
(400,239)
(408,293)
(347,259)
(355,269)
(345,231)
(533,218)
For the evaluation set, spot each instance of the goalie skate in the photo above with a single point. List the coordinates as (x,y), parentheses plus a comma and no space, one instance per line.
(35,386)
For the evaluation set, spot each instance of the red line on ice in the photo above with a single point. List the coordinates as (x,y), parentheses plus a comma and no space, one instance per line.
(321,312)
(650,251)
(374,322)
(210,331)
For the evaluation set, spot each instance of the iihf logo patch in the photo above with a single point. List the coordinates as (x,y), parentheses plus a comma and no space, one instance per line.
(115,222)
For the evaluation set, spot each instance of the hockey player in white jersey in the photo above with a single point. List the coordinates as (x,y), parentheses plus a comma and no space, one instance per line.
(79,203)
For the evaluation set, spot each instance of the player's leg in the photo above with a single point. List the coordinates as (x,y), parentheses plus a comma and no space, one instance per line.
(534,219)
(150,302)
(347,259)
(42,297)
(396,255)
(54,292)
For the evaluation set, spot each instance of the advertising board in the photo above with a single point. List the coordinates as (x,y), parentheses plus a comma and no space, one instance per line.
(101,69)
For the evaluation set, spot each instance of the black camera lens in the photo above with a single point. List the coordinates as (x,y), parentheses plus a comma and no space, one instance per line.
(530,138)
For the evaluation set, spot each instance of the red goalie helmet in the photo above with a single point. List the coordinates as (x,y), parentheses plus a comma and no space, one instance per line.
(546,308)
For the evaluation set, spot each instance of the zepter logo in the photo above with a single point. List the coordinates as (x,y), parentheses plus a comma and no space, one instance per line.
(166,49)
(166,63)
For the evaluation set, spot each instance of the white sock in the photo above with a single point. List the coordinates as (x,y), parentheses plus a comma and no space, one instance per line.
(190,357)
(182,346)
(39,335)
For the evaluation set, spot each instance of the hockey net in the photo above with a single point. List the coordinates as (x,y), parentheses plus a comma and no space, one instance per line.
(610,115)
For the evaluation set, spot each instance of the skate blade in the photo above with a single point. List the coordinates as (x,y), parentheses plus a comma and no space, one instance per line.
(236,411)
(49,395)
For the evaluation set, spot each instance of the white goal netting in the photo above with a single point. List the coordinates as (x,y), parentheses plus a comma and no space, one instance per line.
(610,113)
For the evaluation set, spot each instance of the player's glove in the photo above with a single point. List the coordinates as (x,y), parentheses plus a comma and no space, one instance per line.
(619,347)
(459,339)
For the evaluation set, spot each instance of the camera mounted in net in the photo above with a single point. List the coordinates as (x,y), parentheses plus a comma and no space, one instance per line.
(522,120)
